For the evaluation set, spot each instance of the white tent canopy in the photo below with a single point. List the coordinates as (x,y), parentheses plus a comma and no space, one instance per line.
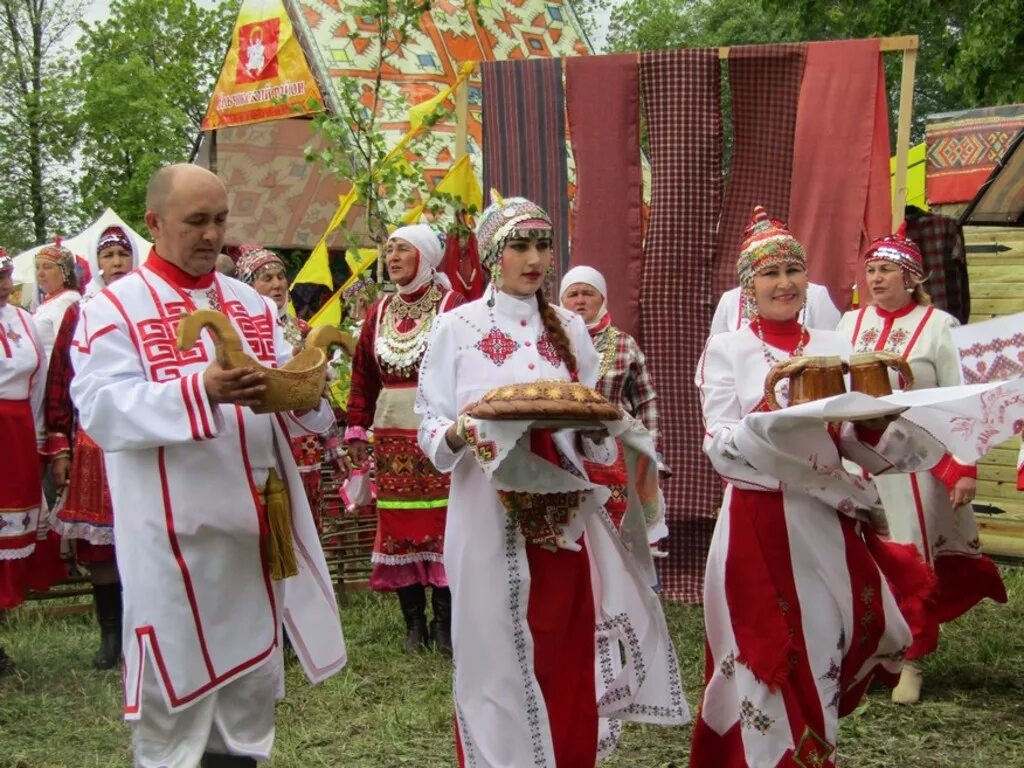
(83,245)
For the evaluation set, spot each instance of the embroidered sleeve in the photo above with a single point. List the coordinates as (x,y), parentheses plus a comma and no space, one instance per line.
(436,395)
(365,384)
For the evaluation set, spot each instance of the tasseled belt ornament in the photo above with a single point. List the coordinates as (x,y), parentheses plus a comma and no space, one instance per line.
(540,516)
(281,549)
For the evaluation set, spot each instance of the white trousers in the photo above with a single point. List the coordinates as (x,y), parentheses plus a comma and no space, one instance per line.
(237,719)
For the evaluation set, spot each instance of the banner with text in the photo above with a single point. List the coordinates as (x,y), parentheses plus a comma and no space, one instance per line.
(265,74)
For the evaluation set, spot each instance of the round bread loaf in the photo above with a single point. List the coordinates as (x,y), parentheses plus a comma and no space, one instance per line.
(545,399)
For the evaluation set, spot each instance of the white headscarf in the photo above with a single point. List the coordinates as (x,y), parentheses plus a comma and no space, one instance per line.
(428,243)
(591,277)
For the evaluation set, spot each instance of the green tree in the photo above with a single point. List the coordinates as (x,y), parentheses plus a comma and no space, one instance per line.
(37,197)
(146,77)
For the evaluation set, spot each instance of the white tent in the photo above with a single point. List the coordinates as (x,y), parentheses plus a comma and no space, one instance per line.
(83,245)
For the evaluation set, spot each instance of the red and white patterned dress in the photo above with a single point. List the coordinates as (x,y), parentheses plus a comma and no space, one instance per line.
(86,515)
(800,613)
(918,504)
(29,558)
(412,496)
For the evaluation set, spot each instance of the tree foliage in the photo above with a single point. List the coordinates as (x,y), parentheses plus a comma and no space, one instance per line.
(147,73)
(36,120)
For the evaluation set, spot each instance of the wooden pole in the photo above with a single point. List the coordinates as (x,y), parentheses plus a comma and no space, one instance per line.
(899,182)
(462,119)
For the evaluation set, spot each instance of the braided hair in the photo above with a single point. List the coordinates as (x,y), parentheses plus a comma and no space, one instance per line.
(556,332)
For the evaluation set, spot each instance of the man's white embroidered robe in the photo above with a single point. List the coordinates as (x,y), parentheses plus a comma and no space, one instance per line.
(184,477)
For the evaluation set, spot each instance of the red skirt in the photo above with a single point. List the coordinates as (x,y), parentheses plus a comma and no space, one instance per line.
(25,561)
(87,513)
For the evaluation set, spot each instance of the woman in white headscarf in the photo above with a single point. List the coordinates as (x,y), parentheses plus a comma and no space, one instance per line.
(412,496)
(622,376)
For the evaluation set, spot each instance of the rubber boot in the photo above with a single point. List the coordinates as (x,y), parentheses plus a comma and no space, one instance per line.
(441,623)
(7,665)
(107,598)
(413,600)
(908,690)
(210,760)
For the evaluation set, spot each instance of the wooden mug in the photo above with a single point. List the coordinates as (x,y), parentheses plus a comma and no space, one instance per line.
(810,378)
(869,372)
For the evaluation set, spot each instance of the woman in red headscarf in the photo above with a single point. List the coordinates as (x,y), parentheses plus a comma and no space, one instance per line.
(931,510)
(85,516)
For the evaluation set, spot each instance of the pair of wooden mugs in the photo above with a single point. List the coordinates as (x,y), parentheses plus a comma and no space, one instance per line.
(814,378)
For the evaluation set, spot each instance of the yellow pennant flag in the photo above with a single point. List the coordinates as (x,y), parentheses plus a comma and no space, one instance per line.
(329,313)
(460,181)
(418,112)
(412,216)
(358,262)
(317,268)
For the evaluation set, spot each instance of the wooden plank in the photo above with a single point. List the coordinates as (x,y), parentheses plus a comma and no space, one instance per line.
(988,489)
(893,43)
(997,307)
(1002,290)
(998,473)
(899,182)
(983,273)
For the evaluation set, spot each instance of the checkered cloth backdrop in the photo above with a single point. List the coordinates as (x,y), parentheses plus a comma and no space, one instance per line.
(941,241)
(684,122)
(764,83)
(525,151)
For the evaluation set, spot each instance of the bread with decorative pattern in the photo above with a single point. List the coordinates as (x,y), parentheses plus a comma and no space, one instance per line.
(545,399)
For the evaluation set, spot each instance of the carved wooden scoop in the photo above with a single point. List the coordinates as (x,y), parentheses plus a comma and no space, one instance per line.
(296,386)
(327,336)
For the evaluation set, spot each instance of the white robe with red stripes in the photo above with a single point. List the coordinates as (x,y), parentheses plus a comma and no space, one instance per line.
(918,505)
(184,472)
(799,615)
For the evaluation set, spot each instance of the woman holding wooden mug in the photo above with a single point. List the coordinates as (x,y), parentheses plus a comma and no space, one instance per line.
(931,510)
(800,611)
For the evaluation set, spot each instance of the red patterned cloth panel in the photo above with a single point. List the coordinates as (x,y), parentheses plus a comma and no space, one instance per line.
(684,121)
(607,231)
(842,124)
(764,83)
(525,152)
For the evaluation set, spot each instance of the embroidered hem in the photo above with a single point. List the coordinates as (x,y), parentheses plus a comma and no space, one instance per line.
(412,557)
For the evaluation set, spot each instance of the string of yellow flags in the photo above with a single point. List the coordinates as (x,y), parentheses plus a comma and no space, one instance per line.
(459,181)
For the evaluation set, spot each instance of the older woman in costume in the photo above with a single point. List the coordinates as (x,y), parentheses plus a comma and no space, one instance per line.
(86,516)
(800,612)
(931,510)
(534,605)
(56,278)
(622,376)
(27,561)
(263,270)
(412,497)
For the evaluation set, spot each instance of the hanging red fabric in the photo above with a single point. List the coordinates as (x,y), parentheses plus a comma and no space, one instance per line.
(461,263)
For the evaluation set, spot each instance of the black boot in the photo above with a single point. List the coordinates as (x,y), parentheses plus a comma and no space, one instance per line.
(7,665)
(441,624)
(210,760)
(414,606)
(107,598)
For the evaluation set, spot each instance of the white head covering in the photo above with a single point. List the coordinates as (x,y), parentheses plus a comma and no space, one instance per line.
(428,243)
(591,277)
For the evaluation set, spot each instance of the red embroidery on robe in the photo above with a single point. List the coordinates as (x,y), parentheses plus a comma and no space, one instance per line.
(498,346)
(548,351)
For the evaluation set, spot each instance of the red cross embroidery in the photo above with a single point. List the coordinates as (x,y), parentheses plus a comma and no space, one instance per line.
(548,351)
(498,346)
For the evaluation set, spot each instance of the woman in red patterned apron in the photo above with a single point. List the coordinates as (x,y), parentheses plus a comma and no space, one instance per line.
(86,516)
(931,510)
(26,560)
(412,496)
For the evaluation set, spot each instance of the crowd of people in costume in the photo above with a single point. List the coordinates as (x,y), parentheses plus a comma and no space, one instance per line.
(194,510)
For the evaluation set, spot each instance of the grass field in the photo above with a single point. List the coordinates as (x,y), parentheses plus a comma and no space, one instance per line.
(386,709)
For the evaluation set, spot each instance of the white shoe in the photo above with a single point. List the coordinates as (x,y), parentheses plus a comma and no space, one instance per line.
(908,690)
